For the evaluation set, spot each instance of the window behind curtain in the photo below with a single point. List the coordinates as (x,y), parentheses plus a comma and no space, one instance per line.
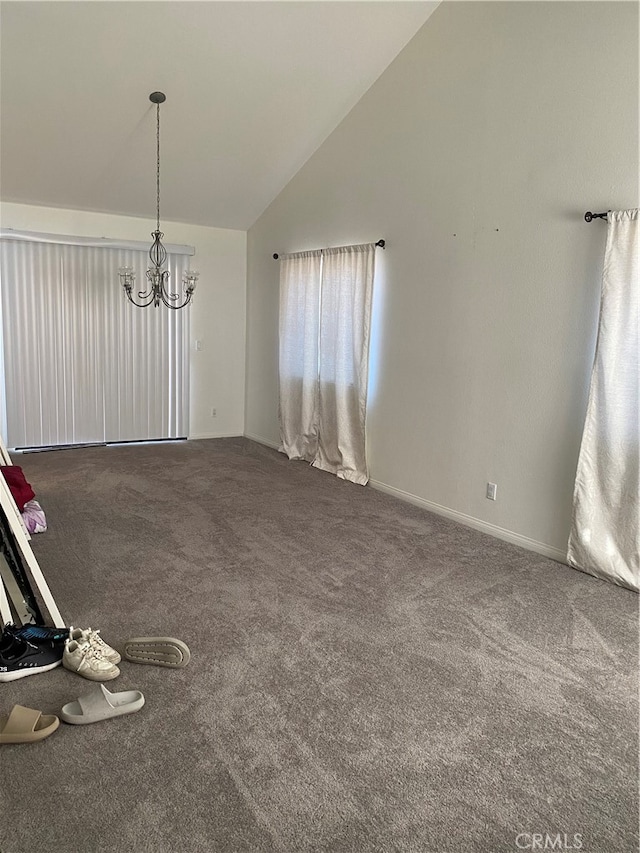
(81,364)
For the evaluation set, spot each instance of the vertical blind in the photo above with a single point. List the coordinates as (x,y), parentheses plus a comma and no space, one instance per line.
(81,364)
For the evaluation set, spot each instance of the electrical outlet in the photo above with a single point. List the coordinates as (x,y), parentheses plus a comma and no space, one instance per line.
(492,490)
(198,346)
(214,412)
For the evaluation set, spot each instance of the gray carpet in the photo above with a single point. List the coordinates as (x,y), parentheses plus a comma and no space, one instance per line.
(365,676)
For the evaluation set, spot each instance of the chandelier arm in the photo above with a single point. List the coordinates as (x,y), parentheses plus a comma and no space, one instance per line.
(187,300)
(171,296)
(147,299)
(169,299)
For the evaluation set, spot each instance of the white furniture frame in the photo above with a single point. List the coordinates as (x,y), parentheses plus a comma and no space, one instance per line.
(8,582)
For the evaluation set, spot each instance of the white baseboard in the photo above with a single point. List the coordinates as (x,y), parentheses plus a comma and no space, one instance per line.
(261,440)
(198,435)
(469,520)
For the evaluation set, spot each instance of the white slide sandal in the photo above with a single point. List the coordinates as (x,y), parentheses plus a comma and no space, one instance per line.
(161,651)
(99,704)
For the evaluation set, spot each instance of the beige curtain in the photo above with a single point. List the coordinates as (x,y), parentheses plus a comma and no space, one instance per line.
(299,325)
(325,313)
(605,533)
(345,314)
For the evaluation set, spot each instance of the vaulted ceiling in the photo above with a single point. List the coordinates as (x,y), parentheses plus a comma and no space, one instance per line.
(253,89)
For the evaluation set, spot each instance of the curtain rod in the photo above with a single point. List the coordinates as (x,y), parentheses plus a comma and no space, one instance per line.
(381,243)
(589,216)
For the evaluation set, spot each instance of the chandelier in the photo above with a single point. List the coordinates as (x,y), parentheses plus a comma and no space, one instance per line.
(158,278)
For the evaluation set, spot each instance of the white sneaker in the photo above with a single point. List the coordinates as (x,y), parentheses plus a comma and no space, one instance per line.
(94,639)
(87,661)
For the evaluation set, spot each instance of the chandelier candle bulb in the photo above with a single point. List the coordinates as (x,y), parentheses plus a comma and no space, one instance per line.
(190,278)
(157,275)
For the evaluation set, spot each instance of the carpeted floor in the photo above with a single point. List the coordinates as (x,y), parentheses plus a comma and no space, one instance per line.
(365,676)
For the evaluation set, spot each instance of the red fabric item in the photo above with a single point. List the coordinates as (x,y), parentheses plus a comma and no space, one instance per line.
(18,486)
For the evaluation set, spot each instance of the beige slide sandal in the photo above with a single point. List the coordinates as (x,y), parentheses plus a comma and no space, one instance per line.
(26,725)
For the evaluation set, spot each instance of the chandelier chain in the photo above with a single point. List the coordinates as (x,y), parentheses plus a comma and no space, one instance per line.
(157,167)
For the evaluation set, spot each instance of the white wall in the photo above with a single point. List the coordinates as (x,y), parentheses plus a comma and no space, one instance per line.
(475,156)
(217,313)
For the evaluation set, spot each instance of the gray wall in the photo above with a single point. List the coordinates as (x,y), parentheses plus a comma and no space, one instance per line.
(475,156)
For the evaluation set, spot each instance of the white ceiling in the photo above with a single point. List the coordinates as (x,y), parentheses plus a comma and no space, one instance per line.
(253,89)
